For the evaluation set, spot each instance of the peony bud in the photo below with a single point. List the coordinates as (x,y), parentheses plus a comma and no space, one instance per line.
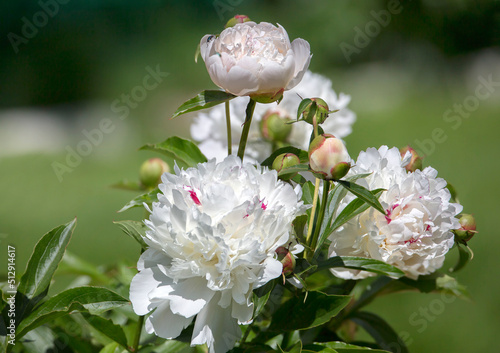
(416,160)
(287,259)
(151,171)
(237,19)
(274,127)
(285,160)
(316,109)
(467,229)
(328,157)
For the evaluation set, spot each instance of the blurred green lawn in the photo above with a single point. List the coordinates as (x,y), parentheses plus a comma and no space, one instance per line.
(394,110)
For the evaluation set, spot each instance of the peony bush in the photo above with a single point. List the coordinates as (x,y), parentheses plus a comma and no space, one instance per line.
(263,236)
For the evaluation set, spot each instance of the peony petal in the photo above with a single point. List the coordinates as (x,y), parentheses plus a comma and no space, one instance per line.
(274,76)
(190,296)
(166,324)
(206,46)
(272,269)
(140,287)
(240,81)
(242,312)
(216,327)
(302,54)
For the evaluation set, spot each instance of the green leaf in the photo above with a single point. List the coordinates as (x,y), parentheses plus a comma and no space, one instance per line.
(343,347)
(139,201)
(380,330)
(94,300)
(134,229)
(303,106)
(42,264)
(261,296)
(316,348)
(128,185)
(296,348)
(110,348)
(436,282)
(184,152)
(303,156)
(107,328)
(295,169)
(205,99)
(354,208)
(363,193)
(464,256)
(308,193)
(308,310)
(361,263)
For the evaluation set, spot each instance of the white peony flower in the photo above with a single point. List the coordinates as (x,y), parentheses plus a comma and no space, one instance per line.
(209,127)
(212,239)
(255,60)
(416,233)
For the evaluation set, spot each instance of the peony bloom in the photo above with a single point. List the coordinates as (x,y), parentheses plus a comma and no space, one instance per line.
(255,60)
(415,235)
(209,127)
(212,239)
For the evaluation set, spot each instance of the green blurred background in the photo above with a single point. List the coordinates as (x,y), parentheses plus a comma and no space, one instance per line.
(61,74)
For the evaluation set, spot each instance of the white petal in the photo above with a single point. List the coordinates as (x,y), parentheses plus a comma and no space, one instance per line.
(275,76)
(190,296)
(165,323)
(141,285)
(302,54)
(240,81)
(242,312)
(272,269)
(216,327)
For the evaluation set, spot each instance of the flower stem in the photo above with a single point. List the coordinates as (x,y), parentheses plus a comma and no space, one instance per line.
(246,128)
(321,215)
(311,219)
(137,337)
(228,127)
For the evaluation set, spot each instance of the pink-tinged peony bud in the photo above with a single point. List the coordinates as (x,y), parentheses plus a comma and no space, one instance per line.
(274,127)
(287,259)
(317,109)
(328,157)
(416,160)
(285,160)
(237,19)
(151,171)
(467,229)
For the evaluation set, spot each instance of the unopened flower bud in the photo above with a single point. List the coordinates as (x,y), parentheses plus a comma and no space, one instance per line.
(287,259)
(151,171)
(467,229)
(316,109)
(328,157)
(285,160)
(416,160)
(274,127)
(237,19)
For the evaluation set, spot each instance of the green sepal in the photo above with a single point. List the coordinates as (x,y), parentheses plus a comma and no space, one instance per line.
(205,99)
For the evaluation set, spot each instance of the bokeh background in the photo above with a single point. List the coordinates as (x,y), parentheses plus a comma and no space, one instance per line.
(405,64)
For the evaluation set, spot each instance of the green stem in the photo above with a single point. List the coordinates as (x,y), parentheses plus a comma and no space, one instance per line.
(311,219)
(137,337)
(321,215)
(228,127)
(246,128)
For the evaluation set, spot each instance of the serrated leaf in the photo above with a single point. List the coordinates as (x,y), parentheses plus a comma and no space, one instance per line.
(47,254)
(363,193)
(149,197)
(134,229)
(318,308)
(205,99)
(361,263)
(380,330)
(184,152)
(303,156)
(108,328)
(94,300)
